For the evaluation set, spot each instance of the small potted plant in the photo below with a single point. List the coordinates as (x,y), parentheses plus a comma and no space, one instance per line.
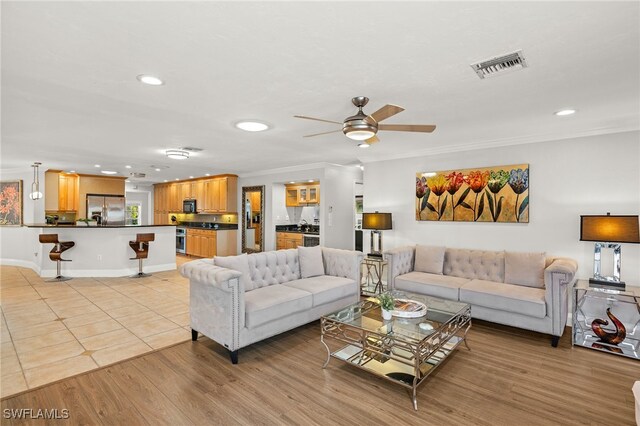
(386,304)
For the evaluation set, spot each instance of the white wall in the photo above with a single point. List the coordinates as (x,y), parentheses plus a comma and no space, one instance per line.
(338,205)
(568,178)
(19,245)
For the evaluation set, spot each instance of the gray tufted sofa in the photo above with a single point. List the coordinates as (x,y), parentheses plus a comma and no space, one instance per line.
(478,278)
(275,300)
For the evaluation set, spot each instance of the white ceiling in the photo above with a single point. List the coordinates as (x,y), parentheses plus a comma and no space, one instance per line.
(70,97)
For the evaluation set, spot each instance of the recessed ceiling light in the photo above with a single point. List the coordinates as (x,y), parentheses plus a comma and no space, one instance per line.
(150,80)
(127,167)
(190,177)
(108,172)
(252,126)
(157,170)
(177,154)
(96,165)
(565,112)
(207,174)
(363,145)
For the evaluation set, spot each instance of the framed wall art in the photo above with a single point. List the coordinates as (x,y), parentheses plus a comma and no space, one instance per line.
(488,194)
(11,203)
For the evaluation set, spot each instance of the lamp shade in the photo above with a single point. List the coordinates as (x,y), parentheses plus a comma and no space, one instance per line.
(610,229)
(377,221)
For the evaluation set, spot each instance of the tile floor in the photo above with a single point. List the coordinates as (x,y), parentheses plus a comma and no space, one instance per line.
(50,331)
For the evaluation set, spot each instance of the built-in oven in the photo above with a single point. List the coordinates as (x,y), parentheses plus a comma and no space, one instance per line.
(189,206)
(309,240)
(181,240)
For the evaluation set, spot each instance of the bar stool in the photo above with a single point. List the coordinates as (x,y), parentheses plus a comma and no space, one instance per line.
(56,253)
(141,247)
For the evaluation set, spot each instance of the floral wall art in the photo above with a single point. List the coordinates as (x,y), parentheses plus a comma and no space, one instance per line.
(489,194)
(11,203)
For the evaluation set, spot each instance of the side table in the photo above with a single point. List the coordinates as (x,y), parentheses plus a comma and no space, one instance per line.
(607,311)
(373,272)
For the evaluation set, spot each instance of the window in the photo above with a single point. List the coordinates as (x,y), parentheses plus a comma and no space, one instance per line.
(133,213)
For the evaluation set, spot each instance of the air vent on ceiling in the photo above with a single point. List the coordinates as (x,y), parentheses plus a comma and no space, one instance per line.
(500,64)
(192,149)
(137,175)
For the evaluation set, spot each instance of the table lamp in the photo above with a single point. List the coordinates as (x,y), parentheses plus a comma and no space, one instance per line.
(377,222)
(608,232)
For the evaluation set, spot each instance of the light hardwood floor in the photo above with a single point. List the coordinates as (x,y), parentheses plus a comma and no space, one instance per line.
(510,377)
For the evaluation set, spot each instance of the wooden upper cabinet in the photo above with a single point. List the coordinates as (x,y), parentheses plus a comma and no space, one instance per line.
(67,192)
(214,195)
(302,195)
(198,192)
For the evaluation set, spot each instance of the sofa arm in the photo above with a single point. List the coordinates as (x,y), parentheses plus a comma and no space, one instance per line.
(557,278)
(342,263)
(216,301)
(204,271)
(400,261)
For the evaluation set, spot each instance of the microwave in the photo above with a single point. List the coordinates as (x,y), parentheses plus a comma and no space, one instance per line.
(189,206)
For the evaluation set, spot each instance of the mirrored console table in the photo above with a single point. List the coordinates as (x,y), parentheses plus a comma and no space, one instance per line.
(607,319)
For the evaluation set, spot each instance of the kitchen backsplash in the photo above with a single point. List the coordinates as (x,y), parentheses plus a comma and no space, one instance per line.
(311,214)
(209,218)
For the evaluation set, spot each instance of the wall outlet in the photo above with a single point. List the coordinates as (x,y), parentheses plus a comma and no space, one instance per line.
(35,254)
(100,257)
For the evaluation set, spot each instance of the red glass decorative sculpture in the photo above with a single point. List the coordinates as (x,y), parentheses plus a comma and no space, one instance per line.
(608,337)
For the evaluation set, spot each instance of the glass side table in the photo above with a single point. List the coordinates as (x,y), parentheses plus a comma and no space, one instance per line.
(372,276)
(607,319)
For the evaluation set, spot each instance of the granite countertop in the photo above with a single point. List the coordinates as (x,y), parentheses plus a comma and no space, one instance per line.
(299,229)
(209,226)
(48,225)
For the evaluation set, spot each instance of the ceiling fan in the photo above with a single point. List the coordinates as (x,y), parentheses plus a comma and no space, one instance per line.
(362,127)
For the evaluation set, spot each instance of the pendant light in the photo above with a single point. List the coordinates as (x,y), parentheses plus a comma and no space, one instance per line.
(35,186)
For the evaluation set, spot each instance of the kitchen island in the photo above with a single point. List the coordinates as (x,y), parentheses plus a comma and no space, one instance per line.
(103,251)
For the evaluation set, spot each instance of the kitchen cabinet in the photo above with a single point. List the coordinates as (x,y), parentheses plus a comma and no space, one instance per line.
(227,243)
(201,242)
(212,195)
(67,192)
(302,195)
(288,240)
(61,192)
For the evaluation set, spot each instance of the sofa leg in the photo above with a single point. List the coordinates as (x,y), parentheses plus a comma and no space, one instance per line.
(554,341)
(194,335)
(234,356)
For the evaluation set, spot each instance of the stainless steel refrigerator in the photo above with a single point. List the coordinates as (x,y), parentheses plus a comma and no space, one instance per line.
(106,209)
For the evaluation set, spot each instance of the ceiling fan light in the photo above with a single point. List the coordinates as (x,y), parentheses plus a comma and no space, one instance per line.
(359,135)
(177,154)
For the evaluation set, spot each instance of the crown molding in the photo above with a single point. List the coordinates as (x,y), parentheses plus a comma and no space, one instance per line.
(497,143)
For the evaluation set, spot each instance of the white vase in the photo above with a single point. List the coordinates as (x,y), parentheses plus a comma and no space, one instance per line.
(386,315)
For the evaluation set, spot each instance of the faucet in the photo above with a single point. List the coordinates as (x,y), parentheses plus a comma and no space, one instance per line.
(303,222)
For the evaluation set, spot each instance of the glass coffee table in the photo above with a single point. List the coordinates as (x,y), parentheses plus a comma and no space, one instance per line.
(404,351)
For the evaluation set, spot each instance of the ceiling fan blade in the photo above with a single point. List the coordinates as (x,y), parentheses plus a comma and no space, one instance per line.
(372,140)
(317,119)
(426,128)
(323,133)
(386,112)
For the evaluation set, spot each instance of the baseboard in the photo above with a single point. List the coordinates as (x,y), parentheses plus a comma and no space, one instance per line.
(20,263)
(110,273)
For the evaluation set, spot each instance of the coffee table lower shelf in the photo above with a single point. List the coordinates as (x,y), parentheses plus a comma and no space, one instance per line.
(399,367)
